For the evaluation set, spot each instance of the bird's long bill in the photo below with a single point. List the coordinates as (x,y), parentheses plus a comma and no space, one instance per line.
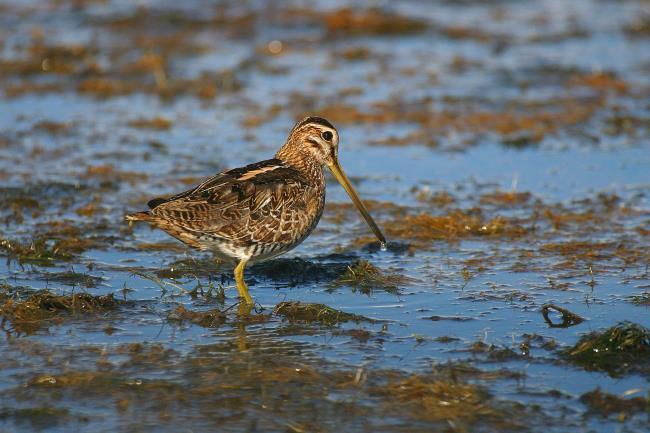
(337,171)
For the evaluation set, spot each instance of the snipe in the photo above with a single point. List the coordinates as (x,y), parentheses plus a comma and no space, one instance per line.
(261,210)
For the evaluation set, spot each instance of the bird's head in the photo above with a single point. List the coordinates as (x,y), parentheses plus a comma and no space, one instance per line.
(317,139)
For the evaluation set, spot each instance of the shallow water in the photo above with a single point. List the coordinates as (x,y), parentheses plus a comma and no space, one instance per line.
(548,99)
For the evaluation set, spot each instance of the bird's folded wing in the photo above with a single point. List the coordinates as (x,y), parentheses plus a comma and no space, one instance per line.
(229,205)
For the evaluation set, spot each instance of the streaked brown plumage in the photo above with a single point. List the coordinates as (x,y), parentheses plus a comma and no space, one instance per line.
(261,210)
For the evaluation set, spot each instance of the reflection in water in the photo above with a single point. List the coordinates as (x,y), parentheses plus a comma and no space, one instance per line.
(568,318)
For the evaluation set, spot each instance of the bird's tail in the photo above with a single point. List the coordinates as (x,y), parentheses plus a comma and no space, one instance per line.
(139,216)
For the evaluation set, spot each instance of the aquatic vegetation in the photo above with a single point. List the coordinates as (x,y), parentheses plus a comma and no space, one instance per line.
(152,123)
(607,404)
(30,200)
(642,299)
(314,313)
(215,380)
(42,308)
(600,81)
(60,240)
(457,224)
(440,399)
(38,251)
(365,277)
(72,278)
(492,351)
(437,198)
(372,21)
(621,349)
(517,126)
(52,127)
(40,417)
(505,198)
(208,319)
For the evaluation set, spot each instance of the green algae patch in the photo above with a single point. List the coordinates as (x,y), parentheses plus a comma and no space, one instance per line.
(44,307)
(315,313)
(606,404)
(617,351)
(365,277)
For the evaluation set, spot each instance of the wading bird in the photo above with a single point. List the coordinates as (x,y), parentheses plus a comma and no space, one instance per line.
(262,210)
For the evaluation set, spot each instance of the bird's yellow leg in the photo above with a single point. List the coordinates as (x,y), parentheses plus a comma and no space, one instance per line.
(242,288)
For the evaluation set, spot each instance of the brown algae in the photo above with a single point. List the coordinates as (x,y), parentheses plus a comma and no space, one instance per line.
(44,307)
(457,224)
(445,400)
(365,277)
(315,313)
(618,350)
(606,404)
(207,319)
(372,21)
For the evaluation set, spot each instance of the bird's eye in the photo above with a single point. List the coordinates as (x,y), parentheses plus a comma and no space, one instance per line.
(327,135)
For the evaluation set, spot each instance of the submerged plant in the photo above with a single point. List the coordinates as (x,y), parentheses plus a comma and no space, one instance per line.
(607,404)
(616,351)
(365,277)
(319,313)
(44,307)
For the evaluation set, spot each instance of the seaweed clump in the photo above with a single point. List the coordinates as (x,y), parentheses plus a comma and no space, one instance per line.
(318,313)
(207,319)
(607,404)
(642,299)
(618,350)
(365,277)
(62,241)
(371,22)
(44,307)
(152,123)
(436,399)
(456,224)
(39,418)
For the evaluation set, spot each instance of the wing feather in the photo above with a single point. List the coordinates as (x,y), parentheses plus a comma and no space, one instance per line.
(245,205)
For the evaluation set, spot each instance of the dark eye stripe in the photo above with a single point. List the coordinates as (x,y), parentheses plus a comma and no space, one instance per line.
(313,142)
